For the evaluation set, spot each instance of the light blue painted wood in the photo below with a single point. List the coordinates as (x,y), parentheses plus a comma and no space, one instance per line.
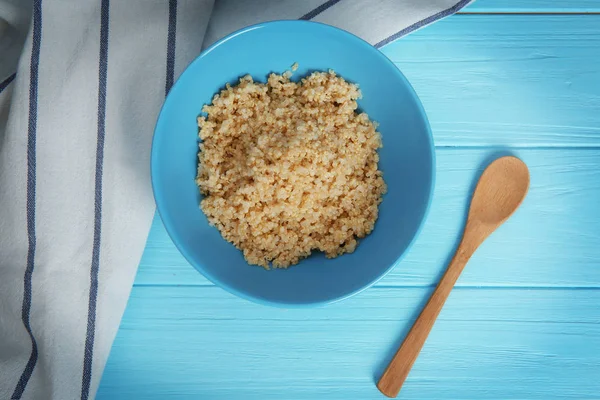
(533,6)
(507,79)
(551,241)
(202,343)
(525,321)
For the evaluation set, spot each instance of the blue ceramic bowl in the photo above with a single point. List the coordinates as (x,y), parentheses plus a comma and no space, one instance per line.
(407,161)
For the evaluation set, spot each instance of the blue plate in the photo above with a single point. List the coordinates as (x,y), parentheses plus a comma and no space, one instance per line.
(407,161)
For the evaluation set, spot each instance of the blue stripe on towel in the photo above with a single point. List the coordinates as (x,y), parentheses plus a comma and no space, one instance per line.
(311,14)
(91,322)
(171,36)
(31,175)
(455,8)
(4,84)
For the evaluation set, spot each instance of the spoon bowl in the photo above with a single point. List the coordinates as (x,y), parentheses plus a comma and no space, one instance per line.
(500,190)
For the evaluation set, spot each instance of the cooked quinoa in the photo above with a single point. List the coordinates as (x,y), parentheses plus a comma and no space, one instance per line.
(287,168)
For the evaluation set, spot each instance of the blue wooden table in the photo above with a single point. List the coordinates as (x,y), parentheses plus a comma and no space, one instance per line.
(519,76)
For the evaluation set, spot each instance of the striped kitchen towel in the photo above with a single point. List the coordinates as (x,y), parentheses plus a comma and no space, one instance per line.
(81,83)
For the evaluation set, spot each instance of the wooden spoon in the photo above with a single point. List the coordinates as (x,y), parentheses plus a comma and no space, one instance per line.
(499,192)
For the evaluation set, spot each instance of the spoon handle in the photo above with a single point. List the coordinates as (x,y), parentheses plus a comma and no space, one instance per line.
(396,372)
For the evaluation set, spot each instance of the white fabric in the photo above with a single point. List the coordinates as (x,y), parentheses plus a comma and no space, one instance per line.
(75,195)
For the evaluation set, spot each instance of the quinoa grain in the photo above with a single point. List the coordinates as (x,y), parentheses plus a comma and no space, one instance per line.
(287,168)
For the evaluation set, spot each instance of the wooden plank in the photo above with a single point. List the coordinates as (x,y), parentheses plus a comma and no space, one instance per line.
(533,6)
(507,80)
(551,241)
(201,342)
